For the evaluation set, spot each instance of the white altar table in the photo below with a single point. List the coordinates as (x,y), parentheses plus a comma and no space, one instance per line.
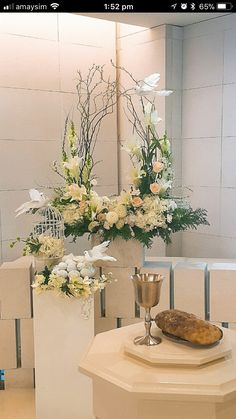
(128,388)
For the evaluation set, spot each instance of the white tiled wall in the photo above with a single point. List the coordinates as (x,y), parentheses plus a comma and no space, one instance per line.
(209,133)
(228,162)
(173,112)
(40,55)
(202,112)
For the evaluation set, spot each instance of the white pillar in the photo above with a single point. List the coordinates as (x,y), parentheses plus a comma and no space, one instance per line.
(62,337)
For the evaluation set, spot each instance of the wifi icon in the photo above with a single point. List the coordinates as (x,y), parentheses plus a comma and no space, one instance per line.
(54,5)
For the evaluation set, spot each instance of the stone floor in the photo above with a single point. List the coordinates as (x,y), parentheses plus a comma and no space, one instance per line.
(17,404)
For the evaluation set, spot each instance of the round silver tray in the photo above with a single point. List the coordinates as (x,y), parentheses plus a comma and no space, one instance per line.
(177,339)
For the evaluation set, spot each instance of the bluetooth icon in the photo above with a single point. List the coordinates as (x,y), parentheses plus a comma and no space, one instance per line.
(192,5)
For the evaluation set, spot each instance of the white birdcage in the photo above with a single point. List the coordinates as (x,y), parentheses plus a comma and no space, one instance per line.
(50,223)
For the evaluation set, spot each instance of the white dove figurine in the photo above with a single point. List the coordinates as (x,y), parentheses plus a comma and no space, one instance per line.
(38,200)
(98,253)
(149,85)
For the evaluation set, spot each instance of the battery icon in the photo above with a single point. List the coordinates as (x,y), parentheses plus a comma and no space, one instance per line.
(224,6)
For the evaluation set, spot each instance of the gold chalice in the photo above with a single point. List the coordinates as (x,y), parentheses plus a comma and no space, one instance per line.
(147,289)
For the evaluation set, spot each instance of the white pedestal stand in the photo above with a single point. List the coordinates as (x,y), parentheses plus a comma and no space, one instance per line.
(61,338)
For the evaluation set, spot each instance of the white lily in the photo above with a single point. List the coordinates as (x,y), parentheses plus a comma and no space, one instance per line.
(72,165)
(151,116)
(164,184)
(148,107)
(155,118)
(75,192)
(133,148)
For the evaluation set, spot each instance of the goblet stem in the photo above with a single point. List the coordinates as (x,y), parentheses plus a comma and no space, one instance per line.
(148,321)
(147,339)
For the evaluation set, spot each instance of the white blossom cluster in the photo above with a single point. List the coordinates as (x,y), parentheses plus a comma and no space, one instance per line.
(72,277)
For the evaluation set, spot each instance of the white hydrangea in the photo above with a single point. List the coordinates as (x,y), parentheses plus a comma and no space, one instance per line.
(121,211)
(71,214)
(51,247)
(112,217)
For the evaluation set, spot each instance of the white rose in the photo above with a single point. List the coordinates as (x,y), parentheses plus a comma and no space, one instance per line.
(62,265)
(71,267)
(79,259)
(62,273)
(87,272)
(80,265)
(73,274)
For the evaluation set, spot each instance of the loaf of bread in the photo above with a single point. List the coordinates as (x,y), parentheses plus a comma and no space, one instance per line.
(189,327)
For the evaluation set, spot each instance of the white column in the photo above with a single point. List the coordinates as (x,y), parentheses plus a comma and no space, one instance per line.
(62,337)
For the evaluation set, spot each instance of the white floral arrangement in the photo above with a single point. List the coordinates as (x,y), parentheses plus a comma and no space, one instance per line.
(42,246)
(75,276)
(149,208)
